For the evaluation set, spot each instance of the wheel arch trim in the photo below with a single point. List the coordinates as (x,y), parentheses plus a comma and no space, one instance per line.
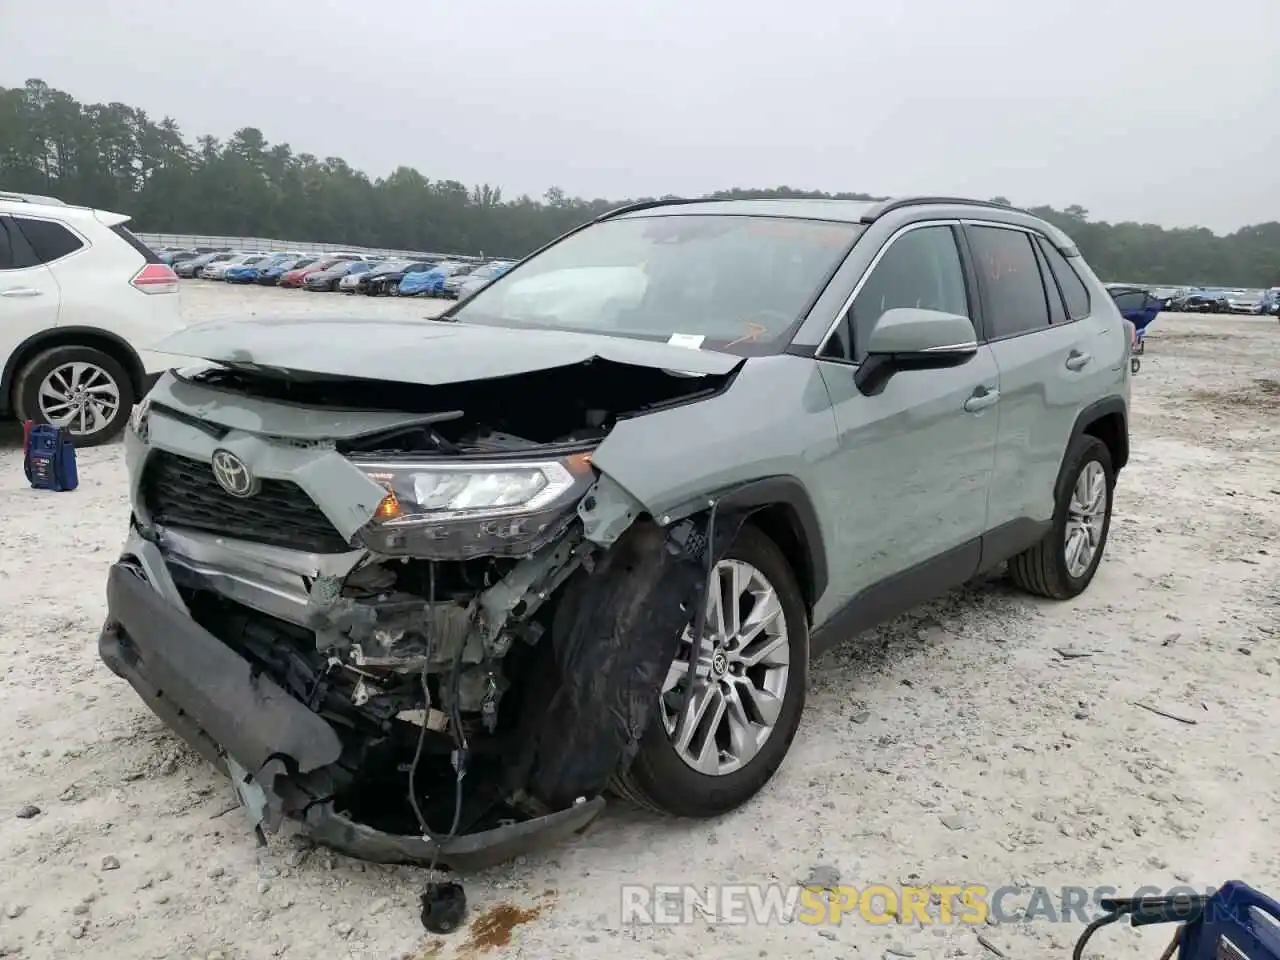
(788,493)
(1092,414)
(72,336)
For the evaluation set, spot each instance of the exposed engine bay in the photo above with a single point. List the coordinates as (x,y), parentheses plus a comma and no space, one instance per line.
(482,661)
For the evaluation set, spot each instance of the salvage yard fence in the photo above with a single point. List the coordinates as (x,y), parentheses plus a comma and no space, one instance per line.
(188,241)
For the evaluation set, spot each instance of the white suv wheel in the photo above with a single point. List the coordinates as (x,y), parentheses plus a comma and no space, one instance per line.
(81,396)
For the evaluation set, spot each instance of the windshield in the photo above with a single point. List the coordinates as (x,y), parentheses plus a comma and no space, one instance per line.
(730,280)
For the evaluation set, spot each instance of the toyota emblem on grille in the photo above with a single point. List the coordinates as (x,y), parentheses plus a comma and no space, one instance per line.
(232,474)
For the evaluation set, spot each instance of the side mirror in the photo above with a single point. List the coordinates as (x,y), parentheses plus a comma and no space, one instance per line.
(912,338)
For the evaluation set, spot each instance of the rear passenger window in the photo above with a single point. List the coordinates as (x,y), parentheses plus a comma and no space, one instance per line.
(1015,299)
(120,231)
(1057,310)
(49,240)
(1074,292)
(920,268)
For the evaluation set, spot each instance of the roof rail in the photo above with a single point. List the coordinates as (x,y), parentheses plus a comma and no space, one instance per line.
(31,198)
(897,203)
(650,204)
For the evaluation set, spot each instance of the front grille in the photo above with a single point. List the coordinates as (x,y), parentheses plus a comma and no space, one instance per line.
(180,492)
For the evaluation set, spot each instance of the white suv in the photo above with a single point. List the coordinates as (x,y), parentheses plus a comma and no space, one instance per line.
(79,297)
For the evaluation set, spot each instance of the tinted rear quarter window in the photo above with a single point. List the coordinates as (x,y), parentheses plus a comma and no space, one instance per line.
(150,255)
(1014,295)
(1057,309)
(51,241)
(1074,292)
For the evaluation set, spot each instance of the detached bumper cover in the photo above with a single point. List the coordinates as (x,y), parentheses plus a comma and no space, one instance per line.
(223,707)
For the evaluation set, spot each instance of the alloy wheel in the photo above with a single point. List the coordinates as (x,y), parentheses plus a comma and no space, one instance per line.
(739,674)
(1086,516)
(81,397)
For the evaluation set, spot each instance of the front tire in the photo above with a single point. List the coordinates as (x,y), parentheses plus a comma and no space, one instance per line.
(1062,565)
(82,389)
(749,692)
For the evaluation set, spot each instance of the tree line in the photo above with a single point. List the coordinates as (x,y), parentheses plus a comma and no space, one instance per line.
(117,157)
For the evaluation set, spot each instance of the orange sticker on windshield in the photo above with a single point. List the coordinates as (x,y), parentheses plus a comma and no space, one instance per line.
(754,332)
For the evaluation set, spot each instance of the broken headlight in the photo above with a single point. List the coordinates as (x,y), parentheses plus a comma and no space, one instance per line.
(459,509)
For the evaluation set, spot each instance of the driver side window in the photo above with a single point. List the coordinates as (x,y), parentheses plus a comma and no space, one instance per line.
(920,268)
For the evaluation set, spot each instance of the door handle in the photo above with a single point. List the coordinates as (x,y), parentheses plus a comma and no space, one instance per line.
(21,292)
(981,399)
(1078,361)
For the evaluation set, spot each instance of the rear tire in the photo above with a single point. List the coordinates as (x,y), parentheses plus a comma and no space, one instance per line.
(660,779)
(80,388)
(1081,520)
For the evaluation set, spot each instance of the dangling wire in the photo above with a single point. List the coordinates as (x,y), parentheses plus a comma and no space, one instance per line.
(700,618)
(426,710)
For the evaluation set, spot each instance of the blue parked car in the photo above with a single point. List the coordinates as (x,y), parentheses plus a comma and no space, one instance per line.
(430,282)
(249,272)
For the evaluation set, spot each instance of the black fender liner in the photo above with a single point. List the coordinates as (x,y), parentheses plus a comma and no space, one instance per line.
(614,636)
(787,492)
(1092,414)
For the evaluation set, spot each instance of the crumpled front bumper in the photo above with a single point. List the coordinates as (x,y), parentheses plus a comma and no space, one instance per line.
(242,721)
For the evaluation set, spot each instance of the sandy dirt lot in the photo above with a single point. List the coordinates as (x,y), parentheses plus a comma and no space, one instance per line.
(955,745)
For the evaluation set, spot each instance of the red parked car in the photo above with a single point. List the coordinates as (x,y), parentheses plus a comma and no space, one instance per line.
(296,278)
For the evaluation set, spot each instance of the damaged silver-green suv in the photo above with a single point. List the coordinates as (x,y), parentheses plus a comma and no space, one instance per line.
(430,588)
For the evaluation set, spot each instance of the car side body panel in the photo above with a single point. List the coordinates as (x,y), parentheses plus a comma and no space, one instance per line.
(909,479)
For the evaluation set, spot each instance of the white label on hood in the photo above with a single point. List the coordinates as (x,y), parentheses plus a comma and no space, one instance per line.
(691,340)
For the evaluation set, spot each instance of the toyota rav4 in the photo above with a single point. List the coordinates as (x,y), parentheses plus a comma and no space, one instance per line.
(431,588)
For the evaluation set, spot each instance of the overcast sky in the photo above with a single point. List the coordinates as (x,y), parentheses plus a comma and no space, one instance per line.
(1165,111)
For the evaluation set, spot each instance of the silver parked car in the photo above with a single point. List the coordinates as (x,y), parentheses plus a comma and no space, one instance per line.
(1245,301)
(217,270)
(431,588)
(479,277)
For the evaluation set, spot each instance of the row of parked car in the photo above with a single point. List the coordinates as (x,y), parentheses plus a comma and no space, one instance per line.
(1217,300)
(338,272)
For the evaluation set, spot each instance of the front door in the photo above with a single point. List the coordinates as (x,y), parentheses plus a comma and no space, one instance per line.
(29,295)
(909,479)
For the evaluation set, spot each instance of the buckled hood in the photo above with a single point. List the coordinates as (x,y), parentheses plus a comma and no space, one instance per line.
(421,351)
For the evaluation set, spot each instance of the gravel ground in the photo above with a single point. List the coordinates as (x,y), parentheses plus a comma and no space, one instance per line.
(954,745)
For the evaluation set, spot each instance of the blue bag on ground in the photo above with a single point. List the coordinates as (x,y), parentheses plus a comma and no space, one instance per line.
(49,458)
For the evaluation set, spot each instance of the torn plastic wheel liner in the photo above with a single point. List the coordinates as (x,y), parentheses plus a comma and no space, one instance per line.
(223,707)
(614,638)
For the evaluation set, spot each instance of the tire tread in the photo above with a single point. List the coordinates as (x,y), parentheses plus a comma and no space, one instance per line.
(1040,569)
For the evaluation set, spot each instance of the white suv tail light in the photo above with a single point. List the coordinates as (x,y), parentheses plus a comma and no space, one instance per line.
(155,278)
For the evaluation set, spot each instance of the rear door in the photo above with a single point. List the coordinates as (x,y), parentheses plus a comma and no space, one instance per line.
(1046,335)
(29,295)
